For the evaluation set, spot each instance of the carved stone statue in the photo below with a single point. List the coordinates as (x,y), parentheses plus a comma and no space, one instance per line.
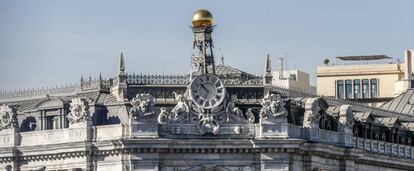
(142,106)
(163,116)
(208,124)
(346,119)
(181,108)
(7,117)
(312,114)
(250,116)
(179,112)
(231,106)
(79,110)
(273,106)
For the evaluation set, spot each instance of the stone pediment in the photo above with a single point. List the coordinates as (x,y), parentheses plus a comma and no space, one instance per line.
(50,103)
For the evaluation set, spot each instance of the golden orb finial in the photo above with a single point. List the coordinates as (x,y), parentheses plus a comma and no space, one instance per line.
(202,18)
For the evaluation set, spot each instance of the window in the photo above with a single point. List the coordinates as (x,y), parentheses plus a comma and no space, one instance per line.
(340,89)
(374,88)
(348,88)
(365,87)
(49,122)
(56,122)
(357,88)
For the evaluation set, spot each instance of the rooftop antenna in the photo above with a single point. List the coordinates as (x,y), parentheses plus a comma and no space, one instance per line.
(222,56)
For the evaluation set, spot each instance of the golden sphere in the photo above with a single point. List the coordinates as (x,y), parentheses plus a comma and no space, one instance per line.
(202,18)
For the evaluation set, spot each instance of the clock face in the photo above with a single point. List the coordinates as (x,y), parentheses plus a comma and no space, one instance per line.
(207,91)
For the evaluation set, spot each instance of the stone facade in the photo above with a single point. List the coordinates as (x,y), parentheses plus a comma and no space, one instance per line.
(201,121)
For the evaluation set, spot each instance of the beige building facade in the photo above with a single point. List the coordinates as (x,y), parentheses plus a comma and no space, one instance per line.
(371,83)
(293,79)
(289,79)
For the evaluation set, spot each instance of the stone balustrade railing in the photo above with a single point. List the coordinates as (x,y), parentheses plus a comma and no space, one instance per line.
(384,147)
(53,136)
(281,130)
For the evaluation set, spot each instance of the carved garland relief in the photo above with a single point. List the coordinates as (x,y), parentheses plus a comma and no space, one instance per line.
(7,117)
(79,110)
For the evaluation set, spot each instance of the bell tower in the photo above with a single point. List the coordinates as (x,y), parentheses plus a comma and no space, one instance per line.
(202,56)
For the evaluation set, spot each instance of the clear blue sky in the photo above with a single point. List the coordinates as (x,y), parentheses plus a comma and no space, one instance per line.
(52,42)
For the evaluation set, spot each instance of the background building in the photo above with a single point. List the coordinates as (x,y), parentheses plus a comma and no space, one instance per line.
(374,83)
(289,79)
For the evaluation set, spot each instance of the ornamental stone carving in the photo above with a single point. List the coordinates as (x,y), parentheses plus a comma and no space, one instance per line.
(7,117)
(208,124)
(250,115)
(207,121)
(178,113)
(312,114)
(346,119)
(273,107)
(142,106)
(79,110)
(231,106)
(182,108)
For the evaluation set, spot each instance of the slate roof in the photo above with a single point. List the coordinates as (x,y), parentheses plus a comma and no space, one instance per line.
(96,96)
(404,103)
(225,70)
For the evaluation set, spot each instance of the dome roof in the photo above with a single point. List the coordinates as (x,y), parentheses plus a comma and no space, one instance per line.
(202,18)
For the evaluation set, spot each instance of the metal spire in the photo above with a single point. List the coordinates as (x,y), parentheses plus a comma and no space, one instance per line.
(268,64)
(121,66)
(222,56)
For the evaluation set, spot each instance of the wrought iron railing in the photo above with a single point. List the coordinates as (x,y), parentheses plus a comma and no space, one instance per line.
(91,84)
(141,79)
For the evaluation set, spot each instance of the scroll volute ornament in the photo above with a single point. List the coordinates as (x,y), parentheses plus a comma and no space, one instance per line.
(312,114)
(273,106)
(79,110)
(142,106)
(7,117)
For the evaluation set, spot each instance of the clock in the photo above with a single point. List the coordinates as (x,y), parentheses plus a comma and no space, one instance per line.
(207,91)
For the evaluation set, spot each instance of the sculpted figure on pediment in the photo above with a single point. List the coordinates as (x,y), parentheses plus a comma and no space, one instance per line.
(231,106)
(179,112)
(7,117)
(79,110)
(346,119)
(312,114)
(142,106)
(273,106)
(182,107)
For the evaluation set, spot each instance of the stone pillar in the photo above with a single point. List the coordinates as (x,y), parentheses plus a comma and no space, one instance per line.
(9,136)
(142,117)
(139,129)
(311,120)
(273,117)
(81,126)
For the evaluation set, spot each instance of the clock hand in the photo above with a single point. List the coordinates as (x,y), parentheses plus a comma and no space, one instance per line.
(205,88)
